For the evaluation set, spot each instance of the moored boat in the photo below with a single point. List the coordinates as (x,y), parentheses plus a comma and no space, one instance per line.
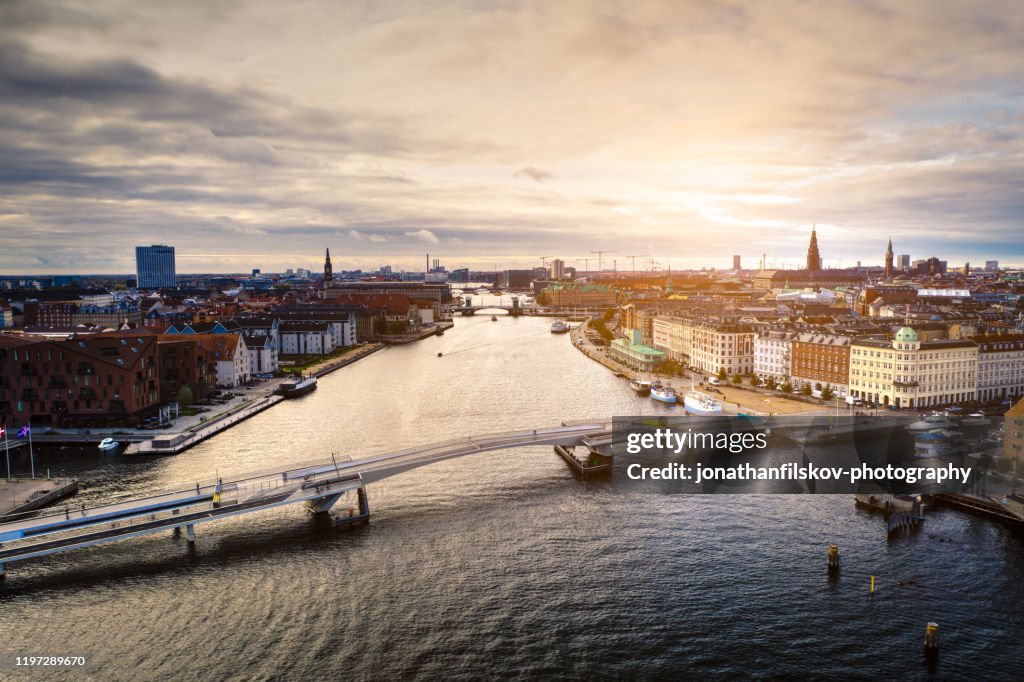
(293,388)
(664,394)
(641,386)
(108,444)
(931,422)
(559,327)
(696,402)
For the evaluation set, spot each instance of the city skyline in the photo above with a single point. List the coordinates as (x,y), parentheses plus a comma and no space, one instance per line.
(254,136)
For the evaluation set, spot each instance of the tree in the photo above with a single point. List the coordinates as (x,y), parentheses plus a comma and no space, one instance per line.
(770,384)
(827,393)
(805,390)
(737,379)
(722,374)
(185,396)
(786,387)
(754,380)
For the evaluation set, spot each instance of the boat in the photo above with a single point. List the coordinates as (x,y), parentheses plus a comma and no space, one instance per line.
(696,402)
(931,422)
(559,327)
(494,318)
(665,394)
(641,386)
(975,419)
(108,444)
(938,443)
(293,388)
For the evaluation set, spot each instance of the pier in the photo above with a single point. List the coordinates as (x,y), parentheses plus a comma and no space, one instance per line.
(318,485)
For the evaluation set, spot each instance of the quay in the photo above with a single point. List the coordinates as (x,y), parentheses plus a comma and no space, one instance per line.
(173,444)
(19,495)
(318,485)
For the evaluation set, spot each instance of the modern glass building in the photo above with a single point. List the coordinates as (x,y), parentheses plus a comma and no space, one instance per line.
(154,266)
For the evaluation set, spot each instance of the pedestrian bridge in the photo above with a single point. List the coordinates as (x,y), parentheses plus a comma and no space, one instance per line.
(318,485)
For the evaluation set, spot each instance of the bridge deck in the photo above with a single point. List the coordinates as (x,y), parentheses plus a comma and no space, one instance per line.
(59,529)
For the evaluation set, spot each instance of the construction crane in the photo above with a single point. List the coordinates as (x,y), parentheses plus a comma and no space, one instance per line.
(544,261)
(600,254)
(632,260)
(586,265)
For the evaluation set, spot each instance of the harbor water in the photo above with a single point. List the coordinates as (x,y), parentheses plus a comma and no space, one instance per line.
(502,563)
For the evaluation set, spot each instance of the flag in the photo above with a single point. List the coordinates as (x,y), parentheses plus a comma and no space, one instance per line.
(24,431)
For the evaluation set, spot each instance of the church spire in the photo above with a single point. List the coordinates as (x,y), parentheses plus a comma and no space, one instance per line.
(813,257)
(328,270)
(888,260)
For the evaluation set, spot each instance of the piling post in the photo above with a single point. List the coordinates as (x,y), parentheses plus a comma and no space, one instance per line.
(833,559)
(3,572)
(190,533)
(931,639)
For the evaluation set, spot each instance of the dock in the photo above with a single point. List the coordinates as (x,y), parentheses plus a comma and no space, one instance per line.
(172,444)
(591,465)
(18,495)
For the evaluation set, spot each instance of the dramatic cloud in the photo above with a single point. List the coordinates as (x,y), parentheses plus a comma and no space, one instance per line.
(255,134)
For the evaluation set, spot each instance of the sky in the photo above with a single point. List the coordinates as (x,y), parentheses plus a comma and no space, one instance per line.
(253,133)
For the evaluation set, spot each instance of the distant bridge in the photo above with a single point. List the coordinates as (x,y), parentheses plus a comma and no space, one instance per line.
(318,485)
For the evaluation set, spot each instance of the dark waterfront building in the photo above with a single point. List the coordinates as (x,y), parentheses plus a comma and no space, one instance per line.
(154,266)
(81,380)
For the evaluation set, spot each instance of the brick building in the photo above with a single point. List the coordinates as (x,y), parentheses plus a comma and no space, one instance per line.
(81,380)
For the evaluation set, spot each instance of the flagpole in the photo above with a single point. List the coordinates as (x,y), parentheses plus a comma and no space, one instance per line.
(31,455)
(7,448)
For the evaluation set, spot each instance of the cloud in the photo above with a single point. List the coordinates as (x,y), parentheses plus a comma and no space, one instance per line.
(676,123)
(535,174)
(370,237)
(424,236)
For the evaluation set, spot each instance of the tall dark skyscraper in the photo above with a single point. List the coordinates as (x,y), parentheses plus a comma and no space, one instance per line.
(888,261)
(813,257)
(154,266)
(328,271)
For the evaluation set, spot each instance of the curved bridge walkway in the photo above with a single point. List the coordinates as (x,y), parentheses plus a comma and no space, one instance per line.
(319,485)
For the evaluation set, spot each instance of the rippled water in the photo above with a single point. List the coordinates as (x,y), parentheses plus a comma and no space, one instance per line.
(502,563)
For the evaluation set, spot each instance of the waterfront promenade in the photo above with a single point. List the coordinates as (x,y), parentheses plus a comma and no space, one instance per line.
(734,399)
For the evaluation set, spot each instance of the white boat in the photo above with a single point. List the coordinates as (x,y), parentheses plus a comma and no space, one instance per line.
(665,394)
(559,327)
(975,419)
(931,422)
(641,386)
(696,402)
(108,444)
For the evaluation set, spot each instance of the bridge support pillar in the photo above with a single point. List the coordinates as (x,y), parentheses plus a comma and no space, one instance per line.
(356,515)
(3,572)
(190,533)
(322,505)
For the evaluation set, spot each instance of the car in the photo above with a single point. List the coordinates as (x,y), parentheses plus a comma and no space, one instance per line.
(714,381)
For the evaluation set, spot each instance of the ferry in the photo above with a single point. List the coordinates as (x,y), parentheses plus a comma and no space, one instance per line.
(559,327)
(494,318)
(108,444)
(640,386)
(700,403)
(293,388)
(665,394)
(931,422)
